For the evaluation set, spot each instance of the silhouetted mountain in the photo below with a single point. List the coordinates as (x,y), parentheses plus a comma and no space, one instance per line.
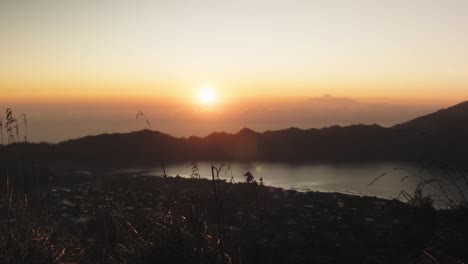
(445,122)
(441,135)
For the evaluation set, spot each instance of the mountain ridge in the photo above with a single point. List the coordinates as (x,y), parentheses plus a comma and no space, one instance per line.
(415,140)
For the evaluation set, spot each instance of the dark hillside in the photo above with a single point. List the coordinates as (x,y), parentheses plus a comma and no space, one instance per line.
(440,135)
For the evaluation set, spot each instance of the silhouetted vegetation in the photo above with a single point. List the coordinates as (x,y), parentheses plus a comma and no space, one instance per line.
(450,184)
(11,127)
(142,115)
(128,218)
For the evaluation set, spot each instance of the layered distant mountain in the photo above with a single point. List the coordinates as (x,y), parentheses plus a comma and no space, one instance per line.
(442,135)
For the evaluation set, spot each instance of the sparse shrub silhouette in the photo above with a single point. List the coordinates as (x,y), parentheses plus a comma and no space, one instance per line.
(11,123)
(165,238)
(195,170)
(219,205)
(249,178)
(25,122)
(142,115)
(450,183)
(1,129)
(27,241)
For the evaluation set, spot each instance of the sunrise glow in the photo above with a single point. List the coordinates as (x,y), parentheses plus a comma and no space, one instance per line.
(207,95)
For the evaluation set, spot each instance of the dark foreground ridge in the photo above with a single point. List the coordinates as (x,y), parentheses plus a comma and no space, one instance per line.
(442,135)
(131,218)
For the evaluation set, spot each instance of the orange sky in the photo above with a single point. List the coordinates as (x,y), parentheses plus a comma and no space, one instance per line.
(368,49)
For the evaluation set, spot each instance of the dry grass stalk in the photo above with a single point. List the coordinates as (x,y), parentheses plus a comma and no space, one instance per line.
(142,115)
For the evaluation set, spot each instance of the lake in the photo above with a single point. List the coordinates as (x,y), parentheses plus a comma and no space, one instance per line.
(350,178)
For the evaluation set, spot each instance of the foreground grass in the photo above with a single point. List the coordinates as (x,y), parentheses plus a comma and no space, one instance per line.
(131,218)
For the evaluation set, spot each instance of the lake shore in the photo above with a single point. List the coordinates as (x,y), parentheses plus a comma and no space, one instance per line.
(94,214)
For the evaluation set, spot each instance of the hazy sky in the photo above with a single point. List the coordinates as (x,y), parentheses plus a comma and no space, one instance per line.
(60,121)
(395,51)
(406,48)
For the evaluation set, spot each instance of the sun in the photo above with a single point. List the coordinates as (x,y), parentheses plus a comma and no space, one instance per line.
(207,95)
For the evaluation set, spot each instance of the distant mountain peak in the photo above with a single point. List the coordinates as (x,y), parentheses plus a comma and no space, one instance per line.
(246,131)
(217,134)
